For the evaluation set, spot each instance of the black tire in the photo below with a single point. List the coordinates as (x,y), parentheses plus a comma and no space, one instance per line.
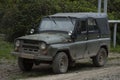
(25,64)
(101,58)
(60,63)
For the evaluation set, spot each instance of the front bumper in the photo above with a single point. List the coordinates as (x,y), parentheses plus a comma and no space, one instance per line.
(32,56)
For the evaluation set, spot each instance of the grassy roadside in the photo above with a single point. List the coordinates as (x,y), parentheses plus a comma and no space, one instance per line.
(5,49)
(116,49)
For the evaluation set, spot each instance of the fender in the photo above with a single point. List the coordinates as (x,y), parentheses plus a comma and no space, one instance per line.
(59,47)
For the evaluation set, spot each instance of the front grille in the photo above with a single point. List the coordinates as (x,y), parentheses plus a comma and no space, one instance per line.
(29,46)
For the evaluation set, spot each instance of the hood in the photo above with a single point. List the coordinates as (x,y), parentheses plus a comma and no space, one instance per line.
(49,38)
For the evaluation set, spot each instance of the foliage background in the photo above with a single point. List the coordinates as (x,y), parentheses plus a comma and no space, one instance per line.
(17,17)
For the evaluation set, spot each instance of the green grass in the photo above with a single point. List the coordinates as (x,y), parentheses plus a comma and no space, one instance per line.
(116,49)
(5,50)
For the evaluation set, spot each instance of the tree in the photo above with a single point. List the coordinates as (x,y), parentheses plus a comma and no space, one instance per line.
(17,17)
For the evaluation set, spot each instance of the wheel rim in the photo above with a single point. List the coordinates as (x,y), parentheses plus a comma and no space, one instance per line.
(63,64)
(102,58)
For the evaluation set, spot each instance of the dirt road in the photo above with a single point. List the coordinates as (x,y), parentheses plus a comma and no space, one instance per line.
(98,74)
(110,72)
(84,70)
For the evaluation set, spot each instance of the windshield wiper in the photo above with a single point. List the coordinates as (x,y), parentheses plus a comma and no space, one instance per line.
(52,19)
(71,20)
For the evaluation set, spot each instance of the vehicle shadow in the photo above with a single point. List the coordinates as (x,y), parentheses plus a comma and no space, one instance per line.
(45,69)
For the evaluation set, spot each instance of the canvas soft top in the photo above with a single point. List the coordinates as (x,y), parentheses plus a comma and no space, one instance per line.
(80,15)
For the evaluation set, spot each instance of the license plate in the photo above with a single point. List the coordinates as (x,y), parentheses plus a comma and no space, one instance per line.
(30,56)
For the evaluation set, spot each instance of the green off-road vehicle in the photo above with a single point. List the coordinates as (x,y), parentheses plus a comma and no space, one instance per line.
(62,39)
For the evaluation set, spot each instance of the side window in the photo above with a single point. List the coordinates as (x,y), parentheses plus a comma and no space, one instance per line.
(92,26)
(78,27)
(81,27)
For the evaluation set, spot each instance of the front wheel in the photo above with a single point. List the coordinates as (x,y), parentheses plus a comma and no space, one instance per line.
(60,63)
(25,64)
(100,59)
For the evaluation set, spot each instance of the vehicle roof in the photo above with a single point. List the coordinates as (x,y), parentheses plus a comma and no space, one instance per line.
(80,15)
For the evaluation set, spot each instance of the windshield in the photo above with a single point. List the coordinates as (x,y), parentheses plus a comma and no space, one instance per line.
(57,24)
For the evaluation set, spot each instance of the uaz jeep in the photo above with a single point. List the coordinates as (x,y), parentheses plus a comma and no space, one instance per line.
(64,38)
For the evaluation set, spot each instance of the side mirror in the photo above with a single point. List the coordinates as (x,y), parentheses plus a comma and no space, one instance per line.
(32,31)
(72,35)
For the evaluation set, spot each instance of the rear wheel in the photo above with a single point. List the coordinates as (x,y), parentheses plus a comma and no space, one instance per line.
(25,64)
(100,59)
(60,63)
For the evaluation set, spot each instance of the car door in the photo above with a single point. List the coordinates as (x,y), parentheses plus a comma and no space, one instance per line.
(93,36)
(81,39)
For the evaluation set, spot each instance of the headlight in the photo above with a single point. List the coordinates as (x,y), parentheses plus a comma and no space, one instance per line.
(43,46)
(17,43)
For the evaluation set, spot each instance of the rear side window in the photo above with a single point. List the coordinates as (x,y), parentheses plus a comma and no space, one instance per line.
(103,25)
(92,25)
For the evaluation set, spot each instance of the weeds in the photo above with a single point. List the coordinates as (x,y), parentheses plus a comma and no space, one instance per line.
(5,49)
(116,49)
